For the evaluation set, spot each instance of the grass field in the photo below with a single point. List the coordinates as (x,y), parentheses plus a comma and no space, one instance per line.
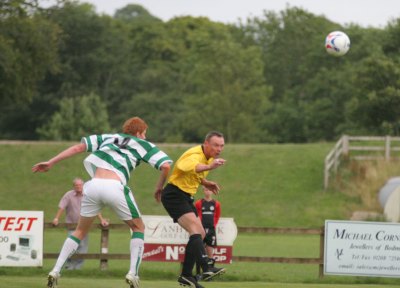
(39,282)
(246,244)
(263,185)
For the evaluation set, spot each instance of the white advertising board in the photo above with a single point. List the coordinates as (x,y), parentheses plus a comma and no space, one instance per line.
(21,238)
(362,248)
(162,229)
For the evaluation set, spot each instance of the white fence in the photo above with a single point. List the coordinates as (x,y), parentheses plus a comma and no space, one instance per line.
(360,148)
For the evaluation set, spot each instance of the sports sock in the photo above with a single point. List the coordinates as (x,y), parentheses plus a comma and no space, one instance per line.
(137,248)
(195,252)
(69,248)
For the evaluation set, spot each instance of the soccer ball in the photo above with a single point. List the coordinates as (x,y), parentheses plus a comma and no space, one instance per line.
(337,43)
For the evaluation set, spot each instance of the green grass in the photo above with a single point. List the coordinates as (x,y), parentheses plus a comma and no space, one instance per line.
(245,245)
(38,282)
(262,185)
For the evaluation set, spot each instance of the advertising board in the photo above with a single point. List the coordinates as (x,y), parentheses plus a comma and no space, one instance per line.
(21,238)
(362,248)
(166,240)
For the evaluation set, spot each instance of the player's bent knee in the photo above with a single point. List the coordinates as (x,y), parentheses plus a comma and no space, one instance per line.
(136,225)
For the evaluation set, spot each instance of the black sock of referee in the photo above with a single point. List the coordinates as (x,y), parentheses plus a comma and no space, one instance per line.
(195,252)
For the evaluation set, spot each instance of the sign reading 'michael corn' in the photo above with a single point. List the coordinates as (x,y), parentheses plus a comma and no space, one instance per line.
(362,248)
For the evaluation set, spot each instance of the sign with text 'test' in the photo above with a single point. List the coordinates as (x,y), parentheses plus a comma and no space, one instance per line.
(21,238)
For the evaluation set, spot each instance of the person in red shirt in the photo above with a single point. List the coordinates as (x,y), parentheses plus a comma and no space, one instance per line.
(209,211)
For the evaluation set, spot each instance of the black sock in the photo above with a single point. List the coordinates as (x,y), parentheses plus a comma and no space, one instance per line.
(195,252)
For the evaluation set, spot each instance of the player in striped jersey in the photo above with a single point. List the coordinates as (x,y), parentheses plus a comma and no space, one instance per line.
(112,158)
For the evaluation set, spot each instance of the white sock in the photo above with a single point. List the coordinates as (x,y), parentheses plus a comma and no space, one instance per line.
(69,248)
(137,248)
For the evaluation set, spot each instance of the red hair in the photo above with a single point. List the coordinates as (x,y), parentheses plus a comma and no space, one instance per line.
(133,126)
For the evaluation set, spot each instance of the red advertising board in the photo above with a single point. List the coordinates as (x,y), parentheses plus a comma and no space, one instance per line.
(176,253)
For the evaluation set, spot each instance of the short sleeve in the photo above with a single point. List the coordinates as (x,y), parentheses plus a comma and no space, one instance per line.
(64,201)
(189,163)
(156,157)
(92,142)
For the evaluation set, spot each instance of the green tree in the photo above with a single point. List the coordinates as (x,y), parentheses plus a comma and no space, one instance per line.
(333,91)
(18,8)
(292,53)
(149,86)
(76,117)
(292,44)
(134,13)
(315,96)
(28,52)
(83,49)
(379,96)
(266,80)
(222,85)
(94,53)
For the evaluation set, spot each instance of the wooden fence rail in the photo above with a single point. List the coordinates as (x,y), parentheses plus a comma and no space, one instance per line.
(104,257)
(384,147)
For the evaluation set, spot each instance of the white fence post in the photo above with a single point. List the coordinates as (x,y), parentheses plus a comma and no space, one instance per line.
(387,148)
(333,160)
(345,145)
(326,175)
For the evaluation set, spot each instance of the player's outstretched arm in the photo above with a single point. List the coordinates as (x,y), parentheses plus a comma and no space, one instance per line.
(69,152)
(205,167)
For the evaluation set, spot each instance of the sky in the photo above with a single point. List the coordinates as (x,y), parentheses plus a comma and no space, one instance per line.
(367,13)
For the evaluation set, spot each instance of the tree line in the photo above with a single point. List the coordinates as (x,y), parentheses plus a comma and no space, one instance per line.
(67,71)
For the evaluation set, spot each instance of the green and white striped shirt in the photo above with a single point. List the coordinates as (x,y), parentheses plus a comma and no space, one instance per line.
(121,153)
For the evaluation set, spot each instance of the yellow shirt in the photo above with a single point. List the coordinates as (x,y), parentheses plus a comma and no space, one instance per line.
(184,175)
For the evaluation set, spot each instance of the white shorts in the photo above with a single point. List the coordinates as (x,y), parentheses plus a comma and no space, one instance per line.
(98,193)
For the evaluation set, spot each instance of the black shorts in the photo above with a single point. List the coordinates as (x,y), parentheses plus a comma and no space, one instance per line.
(211,237)
(177,202)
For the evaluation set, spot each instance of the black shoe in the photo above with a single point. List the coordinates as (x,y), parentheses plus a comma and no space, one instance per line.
(188,281)
(211,262)
(198,277)
(212,272)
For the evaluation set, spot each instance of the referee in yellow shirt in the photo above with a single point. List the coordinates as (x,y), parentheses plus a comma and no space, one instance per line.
(189,172)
